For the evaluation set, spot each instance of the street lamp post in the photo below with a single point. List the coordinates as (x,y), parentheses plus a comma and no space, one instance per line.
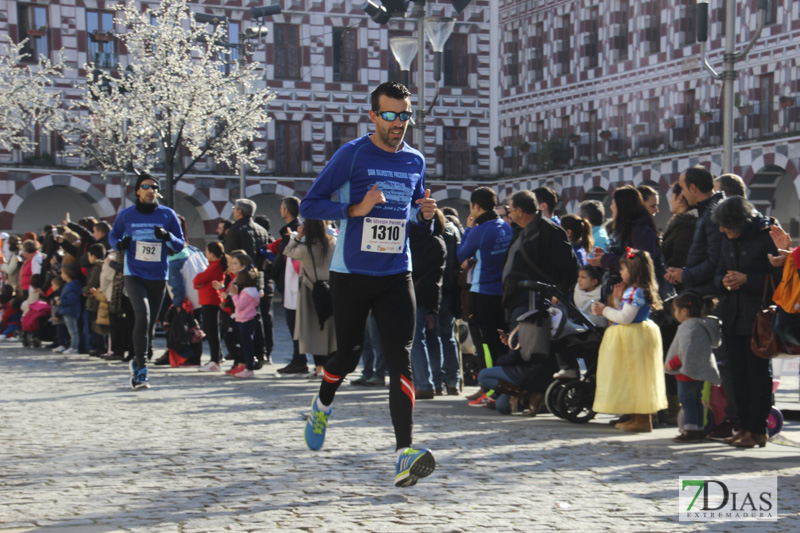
(728,75)
(405,49)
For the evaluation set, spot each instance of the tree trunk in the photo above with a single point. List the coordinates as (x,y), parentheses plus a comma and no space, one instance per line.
(169,181)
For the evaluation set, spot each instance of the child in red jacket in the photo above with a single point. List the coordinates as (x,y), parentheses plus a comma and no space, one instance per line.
(210,300)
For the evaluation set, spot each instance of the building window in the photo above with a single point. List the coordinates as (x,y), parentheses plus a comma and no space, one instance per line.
(456,153)
(684,131)
(512,64)
(772,12)
(592,37)
(456,60)
(652,26)
(101,45)
(537,52)
(563,48)
(32,25)
(345,54)
(287,51)
(619,33)
(288,148)
(618,144)
(764,114)
(687,22)
(651,137)
(342,134)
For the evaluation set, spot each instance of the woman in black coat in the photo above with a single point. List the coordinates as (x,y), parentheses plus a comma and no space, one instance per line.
(741,274)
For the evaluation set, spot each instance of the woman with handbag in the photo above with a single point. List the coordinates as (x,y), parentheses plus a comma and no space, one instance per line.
(741,274)
(313,247)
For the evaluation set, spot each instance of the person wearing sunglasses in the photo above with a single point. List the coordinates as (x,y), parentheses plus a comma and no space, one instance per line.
(379,184)
(145,232)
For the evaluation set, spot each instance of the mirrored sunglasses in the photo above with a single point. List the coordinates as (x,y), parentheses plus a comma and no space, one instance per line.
(391,116)
(147,186)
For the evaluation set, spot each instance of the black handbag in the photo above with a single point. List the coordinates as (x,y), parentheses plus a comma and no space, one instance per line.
(321,295)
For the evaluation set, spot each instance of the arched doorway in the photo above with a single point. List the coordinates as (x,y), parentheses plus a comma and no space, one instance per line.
(763,187)
(269,205)
(460,205)
(196,234)
(50,205)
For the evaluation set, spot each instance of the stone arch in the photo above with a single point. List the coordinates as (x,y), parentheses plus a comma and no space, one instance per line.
(596,181)
(199,200)
(95,197)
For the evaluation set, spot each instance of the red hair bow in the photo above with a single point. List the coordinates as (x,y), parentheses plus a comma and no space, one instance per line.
(631,252)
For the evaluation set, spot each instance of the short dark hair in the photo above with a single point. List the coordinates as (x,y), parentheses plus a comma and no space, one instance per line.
(484,197)
(731,185)
(226,223)
(71,271)
(700,177)
(262,220)
(526,201)
(734,213)
(37,281)
(103,226)
(97,250)
(593,211)
(391,89)
(292,204)
(677,190)
(546,195)
(691,301)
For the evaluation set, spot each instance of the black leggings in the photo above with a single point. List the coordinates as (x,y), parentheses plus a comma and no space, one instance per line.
(146,296)
(211,329)
(391,299)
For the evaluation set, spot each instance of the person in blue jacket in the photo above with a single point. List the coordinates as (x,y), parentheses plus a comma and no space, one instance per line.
(379,184)
(144,232)
(485,243)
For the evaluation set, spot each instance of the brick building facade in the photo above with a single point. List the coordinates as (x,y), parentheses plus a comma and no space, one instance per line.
(579,95)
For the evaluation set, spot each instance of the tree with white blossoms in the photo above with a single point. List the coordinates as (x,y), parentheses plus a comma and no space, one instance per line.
(173,95)
(26,97)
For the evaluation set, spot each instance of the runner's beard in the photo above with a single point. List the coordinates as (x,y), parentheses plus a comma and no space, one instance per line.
(386,136)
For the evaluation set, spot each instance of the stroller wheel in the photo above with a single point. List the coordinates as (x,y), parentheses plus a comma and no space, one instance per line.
(575,401)
(774,422)
(551,397)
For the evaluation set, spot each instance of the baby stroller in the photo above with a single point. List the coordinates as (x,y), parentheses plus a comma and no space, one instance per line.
(570,399)
(33,322)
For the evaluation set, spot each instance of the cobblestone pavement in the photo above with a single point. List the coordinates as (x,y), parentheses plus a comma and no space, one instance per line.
(81,452)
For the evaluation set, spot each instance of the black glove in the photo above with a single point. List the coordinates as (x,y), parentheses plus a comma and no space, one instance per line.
(161,233)
(124,244)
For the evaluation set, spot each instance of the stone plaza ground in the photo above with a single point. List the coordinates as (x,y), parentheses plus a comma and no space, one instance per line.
(197,452)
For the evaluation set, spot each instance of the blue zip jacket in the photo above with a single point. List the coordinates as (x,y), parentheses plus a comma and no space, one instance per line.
(488,242)
(140,226)
(71,299)
(351,172)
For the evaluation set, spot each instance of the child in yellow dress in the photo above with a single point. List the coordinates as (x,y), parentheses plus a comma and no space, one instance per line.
(629,366)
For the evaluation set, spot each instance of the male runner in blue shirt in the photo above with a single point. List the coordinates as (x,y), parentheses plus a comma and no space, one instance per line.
(379,185)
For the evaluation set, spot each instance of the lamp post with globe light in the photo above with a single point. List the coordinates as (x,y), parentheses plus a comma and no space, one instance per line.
(406,49)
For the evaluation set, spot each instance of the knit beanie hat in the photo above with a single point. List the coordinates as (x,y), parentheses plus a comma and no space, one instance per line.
(143,176)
